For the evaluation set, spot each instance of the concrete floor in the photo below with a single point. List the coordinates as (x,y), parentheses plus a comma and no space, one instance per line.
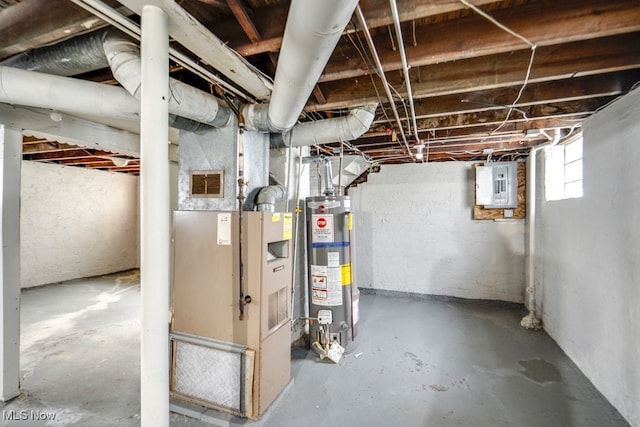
(420,362)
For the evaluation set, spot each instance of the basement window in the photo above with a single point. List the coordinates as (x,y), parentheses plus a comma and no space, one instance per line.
(206,184)
(563,170)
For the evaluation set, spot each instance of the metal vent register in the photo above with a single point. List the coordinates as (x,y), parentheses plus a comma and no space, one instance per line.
(206,183)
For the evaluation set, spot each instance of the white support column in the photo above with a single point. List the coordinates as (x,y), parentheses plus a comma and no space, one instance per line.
(10,163)
(154,206)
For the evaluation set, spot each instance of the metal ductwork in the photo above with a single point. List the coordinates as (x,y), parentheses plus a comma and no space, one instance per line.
(268,197)
(75,56)
(74,96)
(311,34)
(113,49)
(123,56)
(346,128)
(313,29)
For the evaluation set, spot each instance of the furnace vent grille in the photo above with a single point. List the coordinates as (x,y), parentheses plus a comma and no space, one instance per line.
(206,184)
(278,308)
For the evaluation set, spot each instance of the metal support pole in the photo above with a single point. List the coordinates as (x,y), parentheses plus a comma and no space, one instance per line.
(154,224)
(10,163)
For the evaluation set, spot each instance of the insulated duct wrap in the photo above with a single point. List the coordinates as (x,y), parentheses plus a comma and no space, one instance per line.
(346,128)
(311,34)
(20,87)
(72,57)
(186,101)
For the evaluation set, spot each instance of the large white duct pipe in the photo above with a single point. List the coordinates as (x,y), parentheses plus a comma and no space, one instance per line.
(186,101)
(20,87)
(312,31)
(346,128)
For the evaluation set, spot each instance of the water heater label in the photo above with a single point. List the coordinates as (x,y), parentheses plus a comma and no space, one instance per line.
(322,228)
(325,285)
(333,259)
(319,282)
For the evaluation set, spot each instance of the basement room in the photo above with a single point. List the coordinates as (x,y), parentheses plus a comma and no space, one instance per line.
(291,213)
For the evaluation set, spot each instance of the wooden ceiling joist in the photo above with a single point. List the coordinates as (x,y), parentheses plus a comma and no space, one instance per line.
(591,57)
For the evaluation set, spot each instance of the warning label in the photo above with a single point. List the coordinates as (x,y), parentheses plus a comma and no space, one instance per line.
(319,282)
(322,228)
(325,285)
(287,227)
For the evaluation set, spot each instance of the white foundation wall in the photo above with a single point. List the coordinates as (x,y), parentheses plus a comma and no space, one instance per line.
(76,222)
(590,300)
(415,233)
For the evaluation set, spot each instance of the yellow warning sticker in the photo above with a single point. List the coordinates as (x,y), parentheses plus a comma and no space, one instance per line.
(287,224)
(275,217)
(350,221)
(346,274)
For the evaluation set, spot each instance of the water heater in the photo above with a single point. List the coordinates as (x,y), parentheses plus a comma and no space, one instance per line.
(333,294)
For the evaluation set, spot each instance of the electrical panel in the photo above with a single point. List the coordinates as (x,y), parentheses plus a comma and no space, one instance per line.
(497,185)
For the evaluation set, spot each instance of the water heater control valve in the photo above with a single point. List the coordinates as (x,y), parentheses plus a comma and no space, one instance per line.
(325,317)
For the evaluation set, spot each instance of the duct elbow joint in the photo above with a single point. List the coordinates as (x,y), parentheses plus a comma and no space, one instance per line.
(268,196)
(256,118)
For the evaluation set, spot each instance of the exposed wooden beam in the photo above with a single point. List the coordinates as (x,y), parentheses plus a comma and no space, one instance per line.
(377,12)
(269,45)
(544,23)
(35,23)
(220,4)
(86,161)
(572,89)
(318,95)
(591,57)
(239,11)
(67,155)
(45,148)
(551,110)
(482,129)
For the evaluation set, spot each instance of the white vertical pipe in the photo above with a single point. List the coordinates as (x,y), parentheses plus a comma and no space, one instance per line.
(10,163)
(530,251)
(154,207)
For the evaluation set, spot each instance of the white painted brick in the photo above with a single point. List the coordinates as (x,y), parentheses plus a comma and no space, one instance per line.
(76,222)
(419,237)
(588,255)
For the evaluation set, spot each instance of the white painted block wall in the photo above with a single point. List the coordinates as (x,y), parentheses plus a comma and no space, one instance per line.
(76,222)
(415,233)
(590,259)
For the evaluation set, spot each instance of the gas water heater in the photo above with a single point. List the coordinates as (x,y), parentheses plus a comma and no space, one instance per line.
(333,295)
